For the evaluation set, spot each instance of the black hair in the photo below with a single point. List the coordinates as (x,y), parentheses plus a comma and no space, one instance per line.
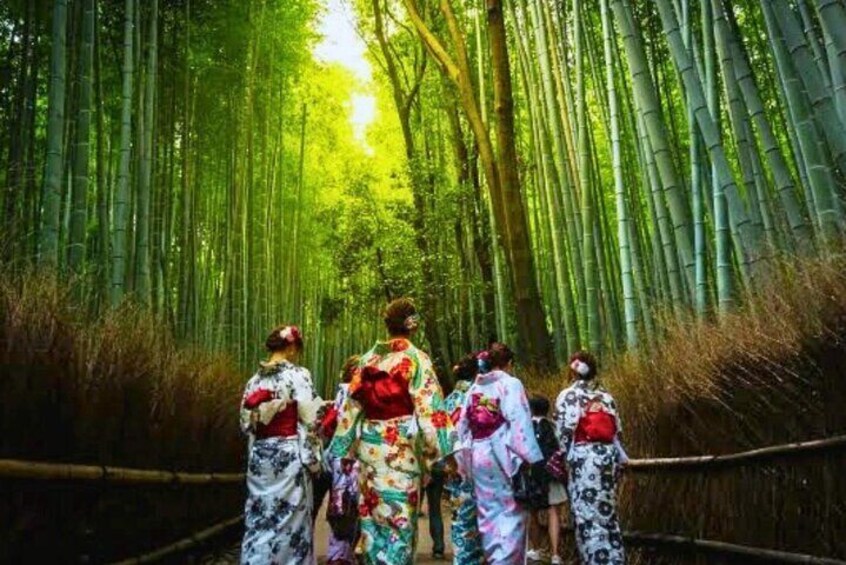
(499,355)
(539,405)
(467,368)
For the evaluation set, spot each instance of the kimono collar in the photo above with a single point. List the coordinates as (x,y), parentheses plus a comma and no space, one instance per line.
(493,376)
(396,345)
(592,385)
(267,368)
(462,386)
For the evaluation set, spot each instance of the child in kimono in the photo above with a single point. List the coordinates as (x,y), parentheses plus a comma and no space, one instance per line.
(394,424)
(466,541)
(589,431)
(342,510)
(278,411)
(554,493)
(498,438)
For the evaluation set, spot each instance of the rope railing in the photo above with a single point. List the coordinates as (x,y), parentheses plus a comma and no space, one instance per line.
(789,449)
(184,544)
(37,470)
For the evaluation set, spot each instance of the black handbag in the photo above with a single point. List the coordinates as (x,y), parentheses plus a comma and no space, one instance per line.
(531,486)
(342,516)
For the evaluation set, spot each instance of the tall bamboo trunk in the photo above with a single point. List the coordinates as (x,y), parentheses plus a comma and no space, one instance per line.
(48,255)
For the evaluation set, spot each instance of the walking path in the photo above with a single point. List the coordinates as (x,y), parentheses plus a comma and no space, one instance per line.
(231,555)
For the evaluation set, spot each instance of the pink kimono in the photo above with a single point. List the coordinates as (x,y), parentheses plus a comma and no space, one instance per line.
(496,438)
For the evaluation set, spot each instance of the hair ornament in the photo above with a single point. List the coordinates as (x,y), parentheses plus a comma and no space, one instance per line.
(412,322)
(289,334)
(580,367)
(483,361)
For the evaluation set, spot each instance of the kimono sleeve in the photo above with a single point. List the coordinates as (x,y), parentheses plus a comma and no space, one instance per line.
(434,424)
(308,401)
(350,414)
(515,408)
(567,413)
(463,438)
(246,415)
(622,456)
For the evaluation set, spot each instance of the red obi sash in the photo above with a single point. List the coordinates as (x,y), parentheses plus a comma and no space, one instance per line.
(596,427)
(484,416)
(384,395)
(283,424)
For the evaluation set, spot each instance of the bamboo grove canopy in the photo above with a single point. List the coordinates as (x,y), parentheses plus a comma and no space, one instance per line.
(555,173)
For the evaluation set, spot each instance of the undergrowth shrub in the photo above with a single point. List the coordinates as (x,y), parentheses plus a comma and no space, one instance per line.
(111,390)
(772,372)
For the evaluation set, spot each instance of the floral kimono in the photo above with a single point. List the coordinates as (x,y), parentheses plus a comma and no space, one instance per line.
(589,430)
(277,411)
(344,484)
(466,540)
(394,424)
(497,436)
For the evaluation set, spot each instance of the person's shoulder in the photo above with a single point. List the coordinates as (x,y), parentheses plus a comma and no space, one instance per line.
(253,380)
(512,383)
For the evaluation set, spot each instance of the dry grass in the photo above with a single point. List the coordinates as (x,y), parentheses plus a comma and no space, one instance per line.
(773,372)
(115,390)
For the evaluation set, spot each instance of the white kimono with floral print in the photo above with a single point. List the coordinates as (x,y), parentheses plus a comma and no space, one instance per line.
(592,475)
(279,504)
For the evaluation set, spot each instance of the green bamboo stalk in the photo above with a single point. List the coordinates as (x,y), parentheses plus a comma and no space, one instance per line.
(742,231)
(79,196)
(629,299)
(819,171)
(826,115)
(645,94)
(832,16)
(785,187)
(122,195)
(48,253)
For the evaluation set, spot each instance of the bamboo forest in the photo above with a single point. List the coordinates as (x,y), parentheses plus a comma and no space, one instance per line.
(660,183)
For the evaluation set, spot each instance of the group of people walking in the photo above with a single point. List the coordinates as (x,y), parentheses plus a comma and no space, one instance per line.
(389,431)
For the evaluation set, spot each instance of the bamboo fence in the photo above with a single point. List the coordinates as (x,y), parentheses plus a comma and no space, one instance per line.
(37,470)
(723,548)
(184,544)
(704,461)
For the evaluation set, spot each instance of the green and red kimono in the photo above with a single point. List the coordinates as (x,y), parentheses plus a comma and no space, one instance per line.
(395,424)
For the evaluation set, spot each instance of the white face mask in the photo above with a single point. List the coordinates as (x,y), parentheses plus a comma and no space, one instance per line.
(580,367)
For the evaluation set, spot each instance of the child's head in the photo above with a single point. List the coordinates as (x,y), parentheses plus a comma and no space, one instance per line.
(539,406)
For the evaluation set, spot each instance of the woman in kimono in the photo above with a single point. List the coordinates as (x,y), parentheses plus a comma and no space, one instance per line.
(498,438)
(394,424)
(278,411)
(466,540)
(589,431)
(341,549)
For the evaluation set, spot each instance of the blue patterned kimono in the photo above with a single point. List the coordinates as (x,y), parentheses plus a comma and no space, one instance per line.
(492,461)
(466,540)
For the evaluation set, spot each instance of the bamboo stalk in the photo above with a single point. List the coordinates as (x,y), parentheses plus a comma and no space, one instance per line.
(15,469)
(185,543)
(829,444)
